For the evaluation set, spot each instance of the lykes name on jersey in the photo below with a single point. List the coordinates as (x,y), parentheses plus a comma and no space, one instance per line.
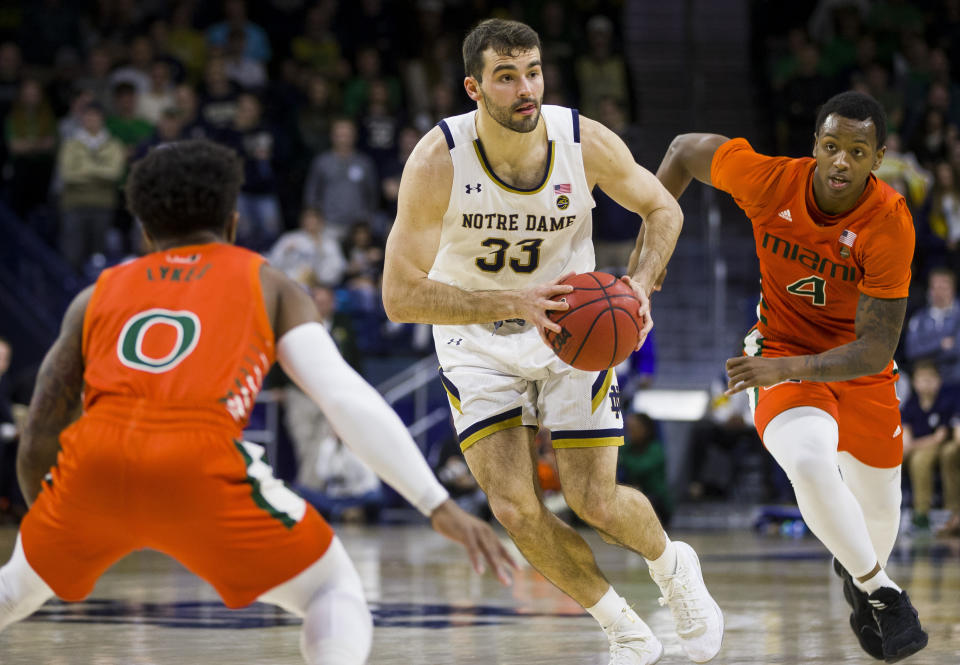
(512,222)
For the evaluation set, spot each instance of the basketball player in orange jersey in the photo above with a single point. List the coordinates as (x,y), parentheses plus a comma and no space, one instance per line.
(835,246)
(168,353)
(494,209)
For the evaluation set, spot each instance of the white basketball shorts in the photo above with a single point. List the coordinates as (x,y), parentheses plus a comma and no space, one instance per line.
(503,375)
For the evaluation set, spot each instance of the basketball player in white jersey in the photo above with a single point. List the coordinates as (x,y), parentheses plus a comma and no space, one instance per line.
(494,210)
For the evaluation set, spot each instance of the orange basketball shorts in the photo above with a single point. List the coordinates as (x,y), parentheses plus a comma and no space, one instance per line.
(867,409)
(186,489)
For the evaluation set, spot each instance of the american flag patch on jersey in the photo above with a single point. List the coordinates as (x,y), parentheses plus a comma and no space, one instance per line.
(847,238)
(562,189)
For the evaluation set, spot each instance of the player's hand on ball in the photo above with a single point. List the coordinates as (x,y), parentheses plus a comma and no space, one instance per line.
(476,536)
(753,372)
(536,301)
(644,310)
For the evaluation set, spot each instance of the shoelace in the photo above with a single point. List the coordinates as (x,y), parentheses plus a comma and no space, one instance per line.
(687,609)
(621,649)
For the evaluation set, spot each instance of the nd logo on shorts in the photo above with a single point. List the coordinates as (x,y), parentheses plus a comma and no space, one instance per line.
(157,340)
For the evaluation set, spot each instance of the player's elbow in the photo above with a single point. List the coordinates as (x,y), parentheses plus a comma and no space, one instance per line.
(394,304)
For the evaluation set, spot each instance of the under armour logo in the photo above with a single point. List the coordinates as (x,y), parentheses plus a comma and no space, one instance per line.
(455,340)
(615,400)
(470,188)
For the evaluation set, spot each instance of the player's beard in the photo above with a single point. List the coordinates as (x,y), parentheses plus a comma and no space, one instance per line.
(504,115)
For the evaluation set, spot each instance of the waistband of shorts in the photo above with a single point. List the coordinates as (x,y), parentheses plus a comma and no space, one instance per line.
(155,414)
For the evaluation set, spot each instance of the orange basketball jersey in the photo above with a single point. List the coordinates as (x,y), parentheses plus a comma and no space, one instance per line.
(814,266)
(180,330)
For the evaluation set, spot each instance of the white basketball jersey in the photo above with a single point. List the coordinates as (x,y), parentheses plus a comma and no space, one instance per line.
(496,236)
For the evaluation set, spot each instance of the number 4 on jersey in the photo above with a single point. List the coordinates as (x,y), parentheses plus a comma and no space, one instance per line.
(812,287)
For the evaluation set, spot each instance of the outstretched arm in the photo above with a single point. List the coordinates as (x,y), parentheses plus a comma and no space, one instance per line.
(366,423)
(412,297)
(878,325)
(56,401)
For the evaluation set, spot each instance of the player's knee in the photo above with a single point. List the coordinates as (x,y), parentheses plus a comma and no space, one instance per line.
(515,512)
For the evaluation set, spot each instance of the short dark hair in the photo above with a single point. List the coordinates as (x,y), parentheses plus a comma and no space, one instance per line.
(857,106)
(185,186)
(925,364)
(503,36)
(944,271)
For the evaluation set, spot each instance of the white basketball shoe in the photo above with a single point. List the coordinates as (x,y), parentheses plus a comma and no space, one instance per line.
(631,641)
(697,616)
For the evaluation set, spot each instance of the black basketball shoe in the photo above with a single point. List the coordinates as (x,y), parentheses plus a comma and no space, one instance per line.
(861,619)
(899,624)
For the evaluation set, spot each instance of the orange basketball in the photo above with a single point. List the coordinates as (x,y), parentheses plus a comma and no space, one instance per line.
(601,328)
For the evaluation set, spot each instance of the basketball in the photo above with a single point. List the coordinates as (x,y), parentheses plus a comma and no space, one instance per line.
(601,328)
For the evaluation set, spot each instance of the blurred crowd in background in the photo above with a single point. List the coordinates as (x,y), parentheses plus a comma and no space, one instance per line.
(325,102)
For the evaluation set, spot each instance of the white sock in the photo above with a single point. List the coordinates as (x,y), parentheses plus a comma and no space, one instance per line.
(666,563)
(609,608)
(881,579)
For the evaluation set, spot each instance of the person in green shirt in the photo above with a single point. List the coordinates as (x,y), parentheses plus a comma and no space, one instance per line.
(124,124)
(643,463)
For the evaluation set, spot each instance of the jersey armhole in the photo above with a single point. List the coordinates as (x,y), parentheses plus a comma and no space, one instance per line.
(446,134)
(89,310)
(575,116)
(256,263)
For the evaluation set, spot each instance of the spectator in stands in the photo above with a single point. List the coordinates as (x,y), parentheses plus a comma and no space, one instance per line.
(798,103)
(329,476)
(903,166)
(318,47)
(91,166)
(96,77)
(31,139)
(443,104)
(342,182)
(615,227)
(930,139)
(247,72)
(390,184)
(643,463)
(950,482)
(185,42)
(187,105)
(259,208)
(257,43)
(309,250)
(169,128)
(725,434)
(601,72)
(933,332)
(137,69)
(929,418)
(315,118)
(364,254)
(73,120)
(218,101)
(356,93)
(124,124)
(159,95)
(942,212)
(379,125)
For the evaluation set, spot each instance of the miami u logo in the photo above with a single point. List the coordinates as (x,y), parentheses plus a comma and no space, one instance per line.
(157,340)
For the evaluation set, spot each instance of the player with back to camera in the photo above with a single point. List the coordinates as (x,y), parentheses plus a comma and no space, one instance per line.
(494,209)
(835,246)
(168,353)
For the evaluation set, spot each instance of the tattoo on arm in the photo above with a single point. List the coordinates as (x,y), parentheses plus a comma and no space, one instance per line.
(878,326)
(56,401)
